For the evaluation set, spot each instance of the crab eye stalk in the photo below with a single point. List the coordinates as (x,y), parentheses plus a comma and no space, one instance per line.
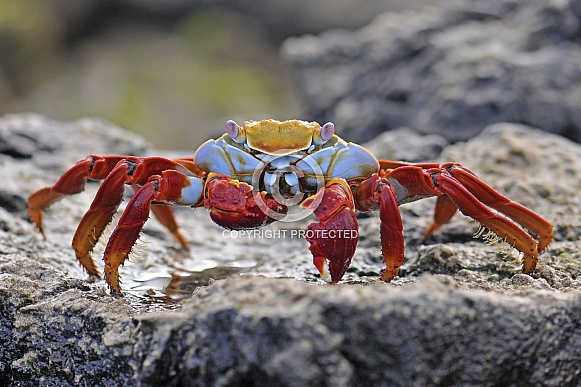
(323,135)
(235,132)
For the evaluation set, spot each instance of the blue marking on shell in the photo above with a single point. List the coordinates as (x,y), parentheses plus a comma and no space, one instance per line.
(192,194)
(353,161)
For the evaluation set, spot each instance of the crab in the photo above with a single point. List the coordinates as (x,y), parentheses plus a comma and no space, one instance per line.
(269,170)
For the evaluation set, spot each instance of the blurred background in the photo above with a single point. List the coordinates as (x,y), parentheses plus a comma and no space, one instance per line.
(173,70)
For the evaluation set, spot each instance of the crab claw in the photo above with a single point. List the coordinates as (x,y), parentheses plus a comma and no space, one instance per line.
(234,206)
(334,238)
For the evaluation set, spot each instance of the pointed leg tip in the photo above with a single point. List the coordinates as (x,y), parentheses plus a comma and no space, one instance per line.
(545,241)
(35,217)
(530,263)
(528,269)
(430,230)
(323,267)
(182,240)
(39,228)
(95,275)
(86,261)
(116,293)
(113,280)
(387,275)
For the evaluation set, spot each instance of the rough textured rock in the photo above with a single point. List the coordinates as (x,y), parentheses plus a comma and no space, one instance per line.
(449,70)
(405,144)
(281,19)
(460,314)
(430,333)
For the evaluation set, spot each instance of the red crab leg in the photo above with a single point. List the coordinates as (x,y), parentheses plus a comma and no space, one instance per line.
(117,171)
(334,238)
(378,193)
(517,212)
(470,206)
(445,207)
(126,233)
(71,182)
(168,188)
(414,182)
(232,204)
(459,188)
(96,167)
(130,171)
(445,210)
(104,207)
(102,210)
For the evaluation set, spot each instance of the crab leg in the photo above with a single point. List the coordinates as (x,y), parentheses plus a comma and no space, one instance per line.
(458,188)
(232,204)
(334,238)
(470,206)
(129,171)
(445,210)
(517,212)
(71,182)
(99,215)
(445,207)
(172,187)
(116,172)
(378,193)
(414,182)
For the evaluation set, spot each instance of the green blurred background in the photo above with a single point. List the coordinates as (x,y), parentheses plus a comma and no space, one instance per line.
(171,70)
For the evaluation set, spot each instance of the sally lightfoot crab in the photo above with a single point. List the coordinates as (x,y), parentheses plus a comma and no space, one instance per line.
(266,171)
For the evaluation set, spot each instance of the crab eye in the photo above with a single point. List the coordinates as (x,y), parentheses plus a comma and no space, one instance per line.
(323,135)
(327,131)
(235,132)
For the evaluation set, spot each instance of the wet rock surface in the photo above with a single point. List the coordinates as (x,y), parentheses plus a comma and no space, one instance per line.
(449,70)
(250,309)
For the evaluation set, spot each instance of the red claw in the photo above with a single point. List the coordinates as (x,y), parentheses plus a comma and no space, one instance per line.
(233,206)
(334,238)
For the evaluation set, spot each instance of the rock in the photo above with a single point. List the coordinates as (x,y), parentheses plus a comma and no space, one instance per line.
(264,331)
(406,144)
(451,70)
(249,309)
(281,19)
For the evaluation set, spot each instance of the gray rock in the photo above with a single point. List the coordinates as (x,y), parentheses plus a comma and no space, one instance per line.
(406,144)
(249,310)
(281,19)
(271,332)
(450,70)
